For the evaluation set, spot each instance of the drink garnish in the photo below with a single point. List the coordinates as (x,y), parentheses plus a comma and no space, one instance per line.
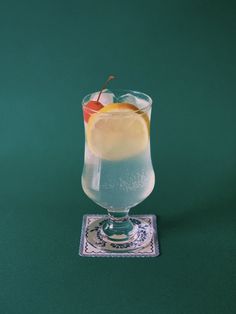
(95,105)
(118,131)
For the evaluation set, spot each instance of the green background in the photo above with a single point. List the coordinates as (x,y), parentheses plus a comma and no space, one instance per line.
(182,54)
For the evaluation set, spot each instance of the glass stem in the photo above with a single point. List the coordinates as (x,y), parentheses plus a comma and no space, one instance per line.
(118,226)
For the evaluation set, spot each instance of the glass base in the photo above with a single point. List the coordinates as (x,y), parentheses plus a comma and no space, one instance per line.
(139,237)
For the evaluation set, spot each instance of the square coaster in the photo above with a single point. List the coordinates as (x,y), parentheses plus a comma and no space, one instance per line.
(86,249)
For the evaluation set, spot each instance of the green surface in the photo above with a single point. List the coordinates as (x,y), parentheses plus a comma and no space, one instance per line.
(52,54)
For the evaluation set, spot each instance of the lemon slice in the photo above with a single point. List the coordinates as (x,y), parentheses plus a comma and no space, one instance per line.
(118,131)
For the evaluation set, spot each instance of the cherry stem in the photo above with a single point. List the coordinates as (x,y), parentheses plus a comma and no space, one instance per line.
(111,77)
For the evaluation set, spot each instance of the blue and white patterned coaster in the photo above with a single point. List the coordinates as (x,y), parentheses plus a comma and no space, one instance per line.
(86,249)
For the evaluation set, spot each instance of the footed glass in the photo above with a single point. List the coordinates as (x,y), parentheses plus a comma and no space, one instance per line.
(118,172)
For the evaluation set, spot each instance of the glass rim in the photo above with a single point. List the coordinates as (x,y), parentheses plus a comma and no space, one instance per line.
(123,91)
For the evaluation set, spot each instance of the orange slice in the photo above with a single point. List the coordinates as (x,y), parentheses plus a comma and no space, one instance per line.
(118,131)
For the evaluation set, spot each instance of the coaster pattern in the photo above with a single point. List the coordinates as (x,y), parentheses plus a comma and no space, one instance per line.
(86,249)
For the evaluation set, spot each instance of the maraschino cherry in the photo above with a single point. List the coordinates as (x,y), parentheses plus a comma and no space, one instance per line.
(94,105)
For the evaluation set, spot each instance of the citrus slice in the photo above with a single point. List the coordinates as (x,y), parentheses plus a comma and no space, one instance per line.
(118,131)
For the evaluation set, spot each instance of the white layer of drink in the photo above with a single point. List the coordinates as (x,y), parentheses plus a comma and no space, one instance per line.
(116,185)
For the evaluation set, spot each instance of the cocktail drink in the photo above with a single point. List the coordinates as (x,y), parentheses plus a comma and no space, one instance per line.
(118,172)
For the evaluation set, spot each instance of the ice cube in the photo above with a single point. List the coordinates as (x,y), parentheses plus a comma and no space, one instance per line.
(107,97)
(142,103)
(128,98)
